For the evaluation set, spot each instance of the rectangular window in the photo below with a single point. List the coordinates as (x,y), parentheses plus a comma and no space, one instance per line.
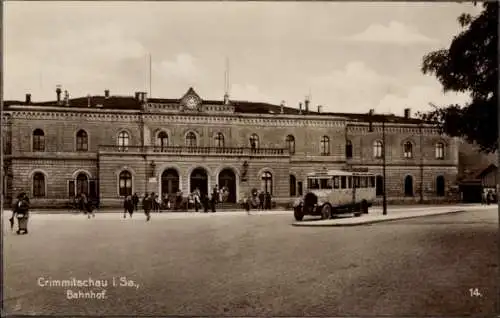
(313,184)
(363,182)
(336,182)
(372,182)
(343,182)
(93,189)
(356,182)
(71,188)
(326,183)
(349,182)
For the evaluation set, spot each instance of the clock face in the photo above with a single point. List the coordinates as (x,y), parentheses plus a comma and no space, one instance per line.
(191,102)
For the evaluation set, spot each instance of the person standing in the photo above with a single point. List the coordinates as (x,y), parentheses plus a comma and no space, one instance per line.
(215,196)
(268,201)
(204,202)
(135,201)
(22,213)
(128,206)
(261,200)
(196,199)
(146,205)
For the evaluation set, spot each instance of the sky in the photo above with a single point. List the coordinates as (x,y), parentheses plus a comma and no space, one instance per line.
(349,57)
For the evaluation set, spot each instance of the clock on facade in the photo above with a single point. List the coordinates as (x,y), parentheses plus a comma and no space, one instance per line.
(191,102)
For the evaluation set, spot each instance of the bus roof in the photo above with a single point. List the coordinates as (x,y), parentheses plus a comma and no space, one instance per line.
(331,173)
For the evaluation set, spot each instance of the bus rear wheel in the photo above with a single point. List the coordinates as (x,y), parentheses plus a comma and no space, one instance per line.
(326,211)
(297,213)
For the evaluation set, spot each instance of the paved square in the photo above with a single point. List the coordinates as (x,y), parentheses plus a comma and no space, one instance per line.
(237,265)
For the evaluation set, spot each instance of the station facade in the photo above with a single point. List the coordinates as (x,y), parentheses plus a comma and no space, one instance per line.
(111,146)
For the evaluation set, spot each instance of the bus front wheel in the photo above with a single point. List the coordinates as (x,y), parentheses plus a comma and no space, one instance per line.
(326,211)
(297,213)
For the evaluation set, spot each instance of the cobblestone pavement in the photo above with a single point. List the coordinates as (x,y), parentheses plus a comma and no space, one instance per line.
(257,265)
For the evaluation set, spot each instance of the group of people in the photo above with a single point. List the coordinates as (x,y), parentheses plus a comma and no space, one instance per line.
(85,205)
(488,196)
(259,200)
(151,202)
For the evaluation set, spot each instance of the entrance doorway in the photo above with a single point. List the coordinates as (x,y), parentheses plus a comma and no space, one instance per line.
(199,179)
(227,178)
(169,182)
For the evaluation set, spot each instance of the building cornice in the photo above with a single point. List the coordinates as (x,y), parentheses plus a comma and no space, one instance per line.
(277,120)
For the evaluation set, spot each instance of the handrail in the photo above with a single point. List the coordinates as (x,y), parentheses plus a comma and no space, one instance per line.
(194,150)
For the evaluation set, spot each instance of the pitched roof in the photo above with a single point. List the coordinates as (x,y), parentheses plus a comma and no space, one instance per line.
(131,103)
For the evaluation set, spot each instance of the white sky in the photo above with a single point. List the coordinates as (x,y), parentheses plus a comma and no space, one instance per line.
(351,56)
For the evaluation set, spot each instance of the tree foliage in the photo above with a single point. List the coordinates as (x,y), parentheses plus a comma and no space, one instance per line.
(469,65)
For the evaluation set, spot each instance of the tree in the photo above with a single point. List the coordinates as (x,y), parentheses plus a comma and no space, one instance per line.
(469,65)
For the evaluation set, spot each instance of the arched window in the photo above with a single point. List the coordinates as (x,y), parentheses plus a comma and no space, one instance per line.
(123,139)
(82,141)
(82,184)
(254,141)
(125,183)
(440,186)
(377,149)
(408,186)
(348,149)
(439,150)
(162,139)
(379,186)
(191,139)
(408,150)
(38,185)
(267,182)
(325,146)
(38,140)
(293,186)
(219,140)
(290,143)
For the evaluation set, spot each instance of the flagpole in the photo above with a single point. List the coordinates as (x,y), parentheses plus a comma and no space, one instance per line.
(150,74)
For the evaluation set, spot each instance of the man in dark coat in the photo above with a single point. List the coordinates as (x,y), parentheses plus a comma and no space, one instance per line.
(268,201)
(22,213)
(128,206)
(261,200)
(215,197)
(204,202)
(146,205)
(135,201)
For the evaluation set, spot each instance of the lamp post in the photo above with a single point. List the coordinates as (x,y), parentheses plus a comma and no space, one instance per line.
(384,198)
(421,165)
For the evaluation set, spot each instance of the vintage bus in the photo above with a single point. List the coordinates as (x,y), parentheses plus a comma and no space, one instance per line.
(335,192)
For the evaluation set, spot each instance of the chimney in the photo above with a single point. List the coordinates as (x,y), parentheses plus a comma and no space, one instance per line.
(407,112)
(58,92)
(106,93)
(300,108)
(306,102)
(89,104)
(137,95)
(372,111)
(319,108)
(282,107)
(226,99)
(66,98)
(142,97)
(28,98)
